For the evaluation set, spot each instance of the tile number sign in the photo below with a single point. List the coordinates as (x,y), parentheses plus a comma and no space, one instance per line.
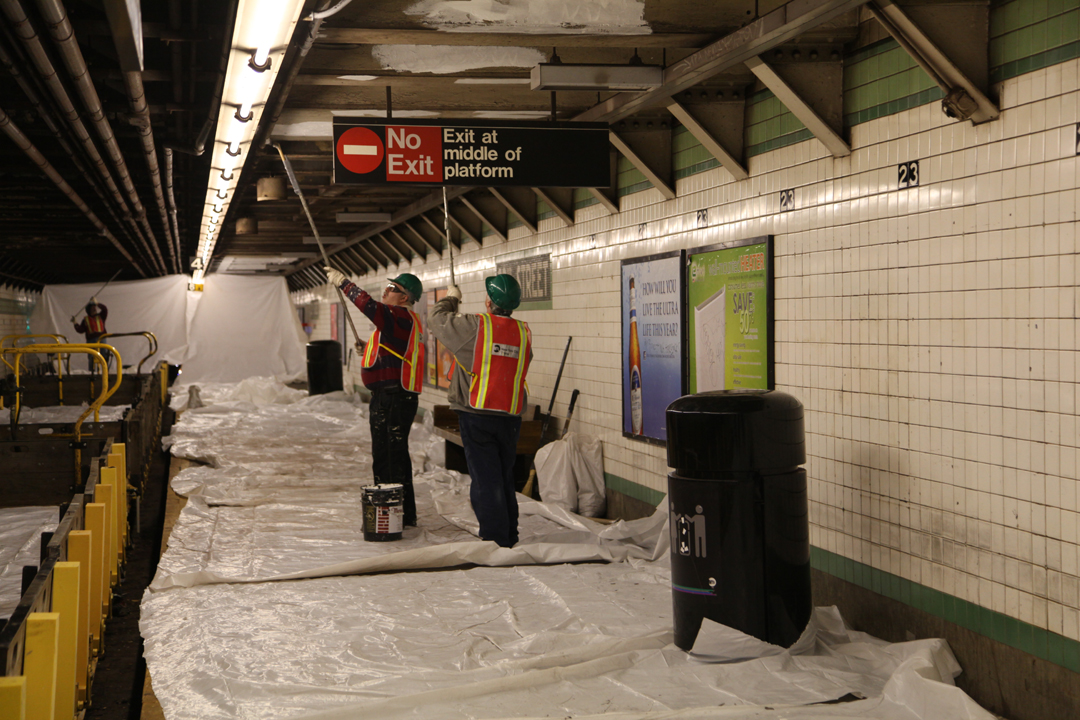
(787,200)
(908,174)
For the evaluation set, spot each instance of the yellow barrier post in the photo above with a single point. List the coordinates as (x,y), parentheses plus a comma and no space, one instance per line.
(118,459)
(109,476)
(105,493)
(39,664)
(99,585)
(13,697)
(65,603)
(79,550)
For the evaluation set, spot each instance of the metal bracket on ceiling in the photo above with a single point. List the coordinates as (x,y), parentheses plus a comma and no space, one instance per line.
(963,100)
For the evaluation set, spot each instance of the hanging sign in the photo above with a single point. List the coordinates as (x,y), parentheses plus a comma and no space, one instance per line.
(469,153)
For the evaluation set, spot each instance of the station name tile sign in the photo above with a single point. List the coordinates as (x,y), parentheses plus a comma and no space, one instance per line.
(464,153)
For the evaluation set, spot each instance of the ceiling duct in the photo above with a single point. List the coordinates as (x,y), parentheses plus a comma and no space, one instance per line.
(270,188)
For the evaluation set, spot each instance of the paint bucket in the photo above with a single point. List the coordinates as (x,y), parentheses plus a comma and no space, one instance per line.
(384,513)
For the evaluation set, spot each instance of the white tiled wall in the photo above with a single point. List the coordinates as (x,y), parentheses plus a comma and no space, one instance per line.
(931,334)
(14,324)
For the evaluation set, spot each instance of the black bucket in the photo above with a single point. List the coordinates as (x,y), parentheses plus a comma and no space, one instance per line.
(384,512)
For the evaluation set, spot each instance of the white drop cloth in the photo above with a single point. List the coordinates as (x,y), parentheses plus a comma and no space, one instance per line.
(20,544)
(237,327)
(63,414)
(279,499)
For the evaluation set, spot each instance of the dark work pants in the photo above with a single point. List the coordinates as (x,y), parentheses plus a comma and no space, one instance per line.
(392,412)
(490,443)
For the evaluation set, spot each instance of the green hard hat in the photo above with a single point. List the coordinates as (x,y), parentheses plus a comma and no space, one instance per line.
(411,284)
(504,291)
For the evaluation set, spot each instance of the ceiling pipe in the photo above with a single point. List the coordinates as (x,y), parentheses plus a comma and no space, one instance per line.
(55,16)
(141,111)
(198,146)
(45,114)
(17,16)
(172,201)
(24,144)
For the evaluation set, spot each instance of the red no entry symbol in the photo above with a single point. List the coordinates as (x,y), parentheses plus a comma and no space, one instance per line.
(360,150)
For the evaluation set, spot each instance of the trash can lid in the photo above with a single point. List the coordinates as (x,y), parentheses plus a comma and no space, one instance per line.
(735,430)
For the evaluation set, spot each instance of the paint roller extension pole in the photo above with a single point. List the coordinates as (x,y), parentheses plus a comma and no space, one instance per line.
(449,245)
(95,294)
(318,240)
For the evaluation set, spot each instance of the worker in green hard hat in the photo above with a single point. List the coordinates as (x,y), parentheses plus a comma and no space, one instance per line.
(393,369)
(492,352)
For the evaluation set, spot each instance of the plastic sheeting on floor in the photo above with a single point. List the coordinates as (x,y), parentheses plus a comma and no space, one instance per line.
(507,636)
(20,545)
(63,414)
(236,327)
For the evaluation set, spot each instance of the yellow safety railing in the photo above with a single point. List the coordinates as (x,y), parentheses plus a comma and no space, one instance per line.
(150,338)
(62,639)
(24,336)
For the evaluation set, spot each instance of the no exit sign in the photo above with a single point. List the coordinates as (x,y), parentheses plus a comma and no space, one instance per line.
(464,153)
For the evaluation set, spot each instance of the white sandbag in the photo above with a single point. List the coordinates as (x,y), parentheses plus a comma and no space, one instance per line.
(555,475)
(587,459)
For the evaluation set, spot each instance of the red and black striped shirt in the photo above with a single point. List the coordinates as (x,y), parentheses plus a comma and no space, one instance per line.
(395,326)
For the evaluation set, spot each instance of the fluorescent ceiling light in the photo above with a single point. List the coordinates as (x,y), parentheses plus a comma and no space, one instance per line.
(351,217)
(563,76)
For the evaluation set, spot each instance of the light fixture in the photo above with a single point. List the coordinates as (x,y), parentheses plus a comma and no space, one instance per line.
(260,60)
(616,78)
(259,38)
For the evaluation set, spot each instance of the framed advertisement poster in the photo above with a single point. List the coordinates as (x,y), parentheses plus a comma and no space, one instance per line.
(729,294)
(652,343)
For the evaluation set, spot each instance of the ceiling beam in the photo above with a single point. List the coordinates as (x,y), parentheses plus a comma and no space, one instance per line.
(560,207)
(519,201)
(637,161)
(768,31)
(799,107)
(703,136)
(367,36)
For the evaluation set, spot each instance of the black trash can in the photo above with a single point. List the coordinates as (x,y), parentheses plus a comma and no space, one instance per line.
(740,535)
(324,366)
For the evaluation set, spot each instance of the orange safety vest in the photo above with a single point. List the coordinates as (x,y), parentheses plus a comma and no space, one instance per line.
(500,362)
(412,363)
(94,325)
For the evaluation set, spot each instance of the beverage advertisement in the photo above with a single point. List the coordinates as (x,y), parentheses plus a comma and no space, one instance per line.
(652,343)
(729,289)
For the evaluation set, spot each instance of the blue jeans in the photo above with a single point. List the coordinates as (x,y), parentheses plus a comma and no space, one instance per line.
(392,413)
(490,443)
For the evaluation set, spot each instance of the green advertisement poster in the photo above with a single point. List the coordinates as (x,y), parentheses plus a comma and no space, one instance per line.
(728,324)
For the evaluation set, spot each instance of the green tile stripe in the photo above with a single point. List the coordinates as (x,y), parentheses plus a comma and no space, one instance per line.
(892,107)
(782,141)
(632,489)
(583,198)
(1035,62)
(630,179)
(1036,641)
(543,210)
(15,307)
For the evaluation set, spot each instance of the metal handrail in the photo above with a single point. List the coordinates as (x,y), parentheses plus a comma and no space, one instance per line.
(90,349)
(150,338)
(15,338)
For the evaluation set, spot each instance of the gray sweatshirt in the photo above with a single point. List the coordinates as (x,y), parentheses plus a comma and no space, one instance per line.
(458,333)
